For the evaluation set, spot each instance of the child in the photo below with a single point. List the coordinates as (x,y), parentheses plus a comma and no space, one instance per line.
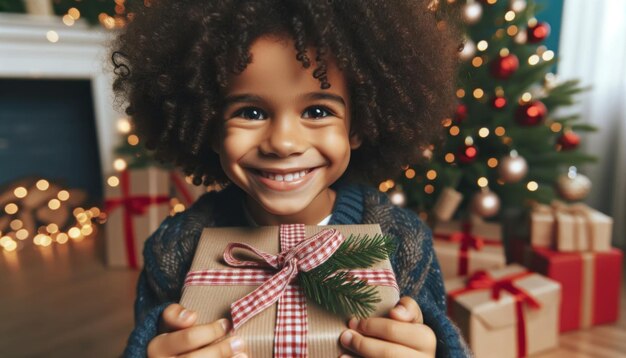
(297,106)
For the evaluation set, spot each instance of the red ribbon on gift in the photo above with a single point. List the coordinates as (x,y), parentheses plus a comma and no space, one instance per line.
(468,241)
(135,205)
(297,254)
(481,280)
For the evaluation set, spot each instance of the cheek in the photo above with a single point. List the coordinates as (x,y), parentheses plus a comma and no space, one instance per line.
(335,145)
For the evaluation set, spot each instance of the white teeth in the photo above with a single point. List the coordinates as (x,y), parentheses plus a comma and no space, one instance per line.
(286,177)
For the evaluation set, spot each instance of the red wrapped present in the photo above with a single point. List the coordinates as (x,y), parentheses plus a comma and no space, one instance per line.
(135,208)
(506,312)
(464,248)
(591,284)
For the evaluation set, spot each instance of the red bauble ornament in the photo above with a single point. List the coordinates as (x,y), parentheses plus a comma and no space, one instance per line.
(569,140)
(498,102)
(504,66)
(467,154)
(461,113)
(531,113)
(538,33)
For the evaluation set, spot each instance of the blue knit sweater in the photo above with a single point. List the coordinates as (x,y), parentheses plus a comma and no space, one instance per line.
(168,253)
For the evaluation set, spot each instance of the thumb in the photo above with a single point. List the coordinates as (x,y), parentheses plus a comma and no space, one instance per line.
(176,317)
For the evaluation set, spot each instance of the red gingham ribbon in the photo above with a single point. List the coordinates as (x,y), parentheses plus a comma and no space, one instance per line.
(297,254)
(468,241)
(482,280)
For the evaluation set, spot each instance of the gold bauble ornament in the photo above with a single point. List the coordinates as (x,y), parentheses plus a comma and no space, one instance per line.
(486,203)
(512,168)
(573,186)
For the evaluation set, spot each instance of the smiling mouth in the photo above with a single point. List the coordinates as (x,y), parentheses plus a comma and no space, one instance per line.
(284,177)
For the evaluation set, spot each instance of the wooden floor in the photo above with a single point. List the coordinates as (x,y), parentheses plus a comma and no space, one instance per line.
(62,302)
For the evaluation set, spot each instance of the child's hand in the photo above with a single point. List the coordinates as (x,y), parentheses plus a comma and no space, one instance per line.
(402,335)
(182,337)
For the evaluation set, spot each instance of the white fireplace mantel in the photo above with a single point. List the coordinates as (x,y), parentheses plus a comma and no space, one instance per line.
(79,53)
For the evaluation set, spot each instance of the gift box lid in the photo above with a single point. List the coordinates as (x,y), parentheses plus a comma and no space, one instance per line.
(500,313)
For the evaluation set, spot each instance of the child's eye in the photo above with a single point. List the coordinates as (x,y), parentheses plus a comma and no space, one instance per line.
(318,112)
(251,113)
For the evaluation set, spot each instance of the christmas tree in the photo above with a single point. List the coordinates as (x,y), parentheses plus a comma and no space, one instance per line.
(506,145)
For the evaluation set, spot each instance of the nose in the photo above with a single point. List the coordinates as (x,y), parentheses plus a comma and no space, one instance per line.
(285,137)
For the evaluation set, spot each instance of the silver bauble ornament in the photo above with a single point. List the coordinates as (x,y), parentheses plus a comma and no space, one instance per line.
(472,13)
(573,186)
(468,51)
(512,168)
(486,203)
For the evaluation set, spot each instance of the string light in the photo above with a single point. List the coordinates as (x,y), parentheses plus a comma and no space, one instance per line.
(509,16)
(54,204)
(21,234)
(492,162)
(63,195)
(556,127)
(477,61)
(409,173)
(68,20)
(483,132)
(460,93)
(20,192)
(511,30)
(527,97)
(62,238)
(42,184)
(482,182)
(74,13)
(52,36)
(429,189)
(478,93)
(446,122)
(119,164)
(454,131)
(431,174)
(133,139)
(449,157)
(16,224)
(533,60)
(113,181)
(123,125)
(548,55)
(11,208)
(532,185)
(504,52)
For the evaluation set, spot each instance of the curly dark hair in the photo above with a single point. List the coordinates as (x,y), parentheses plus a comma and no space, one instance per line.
(175,58)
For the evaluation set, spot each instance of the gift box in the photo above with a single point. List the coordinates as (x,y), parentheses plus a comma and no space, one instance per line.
(591,284)
(135,208)
(570,228)
(464,248)
(219,285)
(506,312)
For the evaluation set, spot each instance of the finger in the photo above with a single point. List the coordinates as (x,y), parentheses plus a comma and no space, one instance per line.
(176,317)
(231,347)
(188,339)
(413,335)
(407,310)
(372,347)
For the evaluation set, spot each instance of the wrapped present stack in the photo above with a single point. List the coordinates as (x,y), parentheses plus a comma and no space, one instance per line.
(284,308)
(572,245)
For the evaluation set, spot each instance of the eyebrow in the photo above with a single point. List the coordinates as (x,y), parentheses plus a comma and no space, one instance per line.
(250,98)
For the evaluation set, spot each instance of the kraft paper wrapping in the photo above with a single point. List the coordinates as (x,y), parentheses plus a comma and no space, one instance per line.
(151,182)
(213,302)
(570,228)
(488,257)
(489,325)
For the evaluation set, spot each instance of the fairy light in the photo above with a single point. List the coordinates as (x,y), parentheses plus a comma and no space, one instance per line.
(511,30)
(477,61)
(52,36)
(390,183)
(11,208)
(113,181)
(77,211)
(548,55)
(381,187)
(532,186)
(21,234)
(86,230)
(429,188)
(119,164)
(469,140)
(54,204)
(532,22)
(16,224)
(68,20)
(478,93)
(52,228)
(20,192)
(483,132)
(527,97)
(123,125)
(446,122)
(74,13)
(409,173)
(504,51)
(431,174)
(556,127)
(63,195)
(482,182)
(499,102)
(492,162)
(460,93)
(454,130)
(42,185)
(533,60)
(449,157)
(9,245)
(509,16)
(499,33)
(133,139)
(74,233)
(62,238)
(482,45)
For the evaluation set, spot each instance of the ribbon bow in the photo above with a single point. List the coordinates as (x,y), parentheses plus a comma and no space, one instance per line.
(304,256)
(468,241)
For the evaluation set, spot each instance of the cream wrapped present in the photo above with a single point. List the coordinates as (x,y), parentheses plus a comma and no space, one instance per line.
(263,299)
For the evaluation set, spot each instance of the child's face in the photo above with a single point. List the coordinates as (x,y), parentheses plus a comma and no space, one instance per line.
(285,141)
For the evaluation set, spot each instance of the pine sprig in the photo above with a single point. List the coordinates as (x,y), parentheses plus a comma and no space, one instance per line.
(337,290)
